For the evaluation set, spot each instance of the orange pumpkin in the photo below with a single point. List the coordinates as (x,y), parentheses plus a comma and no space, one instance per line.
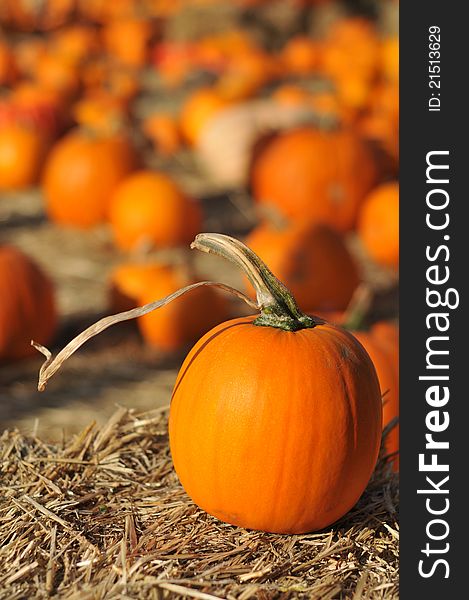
(127,40)
(275,421)
(173,60)
(149,207)
(100,112)
(199,107)
(300,55)
(104,77)
(380,123)
(353,93)
(351,49)
(312,260)
(81,173)
(8,66)
(315,174)
(390,58)
(56,74)
(27,307)
(33,105)
(163,131)
(215,52)
(128,281)
(28,52)
(22,153)
(246,74)
(292,94)
(75,43)
(186,319)
(378,224)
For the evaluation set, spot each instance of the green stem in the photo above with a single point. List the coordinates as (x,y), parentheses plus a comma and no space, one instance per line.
(277,305)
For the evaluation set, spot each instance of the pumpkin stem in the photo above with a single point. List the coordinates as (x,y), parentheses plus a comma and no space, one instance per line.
(52,365)
(277,305)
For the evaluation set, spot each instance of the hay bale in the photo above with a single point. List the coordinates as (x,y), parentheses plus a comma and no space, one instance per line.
(102,515)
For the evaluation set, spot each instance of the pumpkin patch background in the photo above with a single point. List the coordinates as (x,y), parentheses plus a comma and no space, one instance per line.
(128,127)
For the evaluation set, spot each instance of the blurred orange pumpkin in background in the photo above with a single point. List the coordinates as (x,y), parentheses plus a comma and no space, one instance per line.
(300,55)
(8,66)
(127,40)
(198,108)
(82,172)
(75,43)
(27,306)
(314,174)
(164,132)
(150,208)
(55,73)
(184,320)
(22,153)
(378,224)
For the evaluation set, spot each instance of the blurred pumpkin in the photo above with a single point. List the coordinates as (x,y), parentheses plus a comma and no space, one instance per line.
(246,74)
(128,281)
(378,224)
(8,66)
(311,260)
(390,58)
(56,74)
(34,105)
(103,76)
(27,307)
(300,55)
(28,53)
(100,112)
(236,86)
(163,131)
(353,93)
(75,43)
(173,61)
(149,207)
(127,40)
(351,49)
(81,173)
(315,174)
(185,319)
(291,94)
(23,149)
(327,105)
(199,107)
(214,52)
